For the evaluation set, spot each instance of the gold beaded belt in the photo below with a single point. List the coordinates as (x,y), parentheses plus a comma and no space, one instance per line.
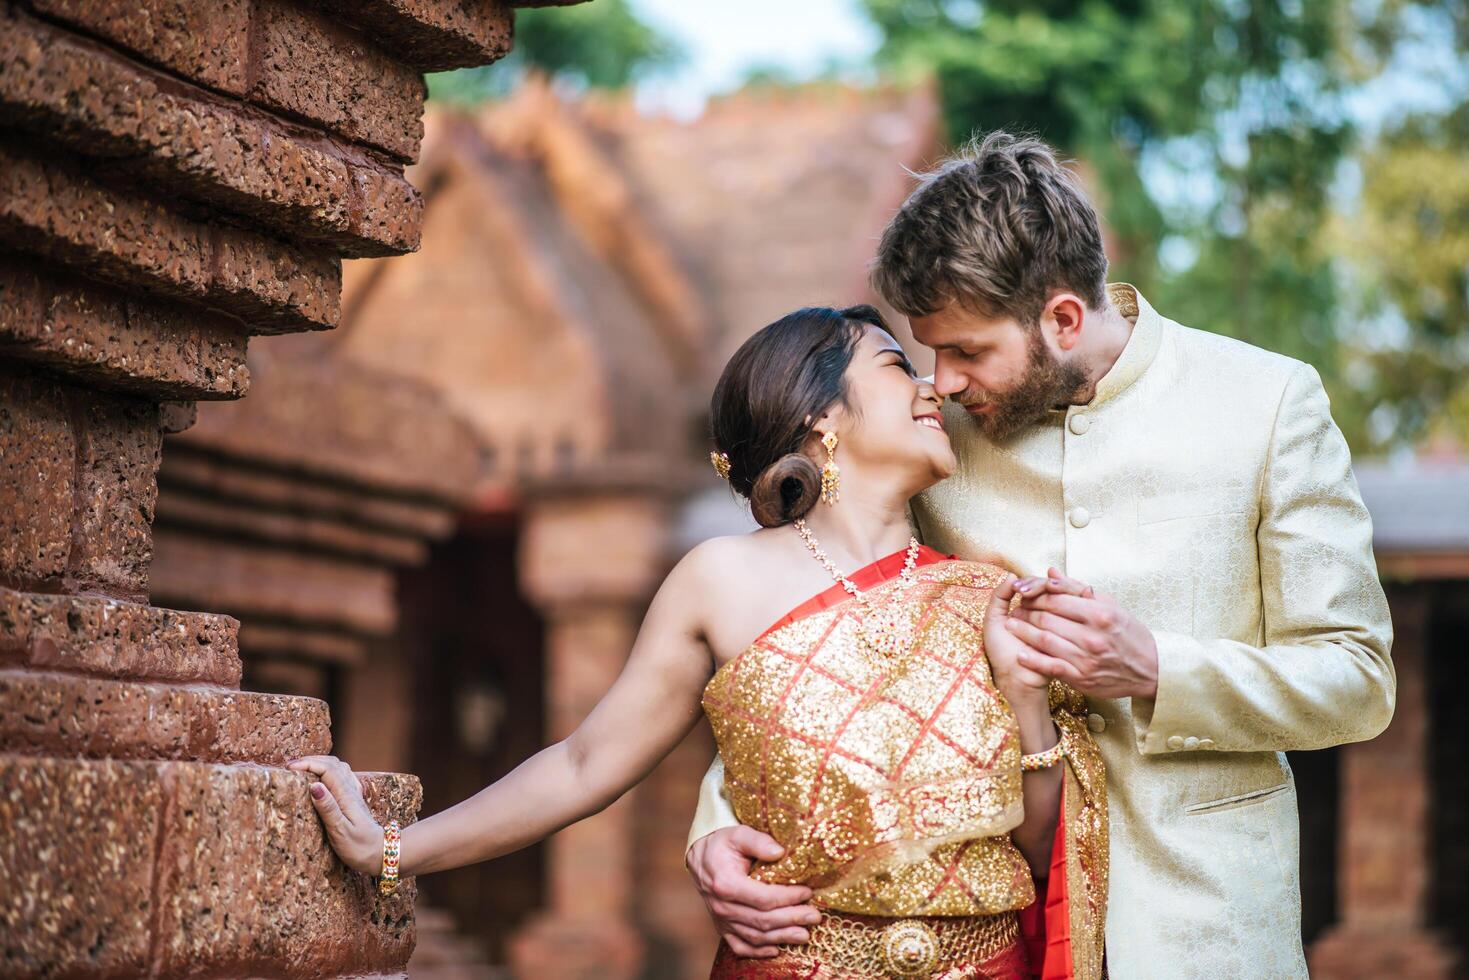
(873,946)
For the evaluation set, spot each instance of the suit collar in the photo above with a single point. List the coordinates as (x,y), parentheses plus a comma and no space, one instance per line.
(1141,348)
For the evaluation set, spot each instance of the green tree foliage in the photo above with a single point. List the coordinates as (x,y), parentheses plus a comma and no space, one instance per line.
(1409,244)
(1214,132)
(590,45)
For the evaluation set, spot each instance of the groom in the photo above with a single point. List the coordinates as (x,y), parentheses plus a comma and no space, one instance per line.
(1209,581)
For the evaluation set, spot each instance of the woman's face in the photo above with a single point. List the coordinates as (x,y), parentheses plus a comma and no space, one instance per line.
(893,420)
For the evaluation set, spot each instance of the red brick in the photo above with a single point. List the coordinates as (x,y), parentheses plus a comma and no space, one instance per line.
(108,339)
(118,639)
(61,714)
(390,209)
(37,454)
(124,869)
(78,854)
(50,209)
(206,42)
(189,142)
(434,35)
(312,67)
(119,442)
(265,895)
(274,287)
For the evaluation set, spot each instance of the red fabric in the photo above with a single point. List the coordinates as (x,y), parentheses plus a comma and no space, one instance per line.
(886,567)
(1045,924)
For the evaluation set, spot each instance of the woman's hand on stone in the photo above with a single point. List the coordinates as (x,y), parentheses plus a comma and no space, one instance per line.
(353,833)
(1018,683)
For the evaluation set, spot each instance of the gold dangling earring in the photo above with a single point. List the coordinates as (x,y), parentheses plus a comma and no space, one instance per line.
(831,474)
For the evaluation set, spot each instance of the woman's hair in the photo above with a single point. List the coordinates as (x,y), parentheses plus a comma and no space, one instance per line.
(772,391)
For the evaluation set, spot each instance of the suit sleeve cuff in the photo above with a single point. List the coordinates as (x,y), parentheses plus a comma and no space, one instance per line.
(714,811)
(1167,721)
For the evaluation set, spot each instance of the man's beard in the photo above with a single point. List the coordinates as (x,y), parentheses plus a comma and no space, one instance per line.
(1046,384)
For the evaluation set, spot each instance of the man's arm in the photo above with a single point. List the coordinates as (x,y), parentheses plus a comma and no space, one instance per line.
(750,915)
(713,812)
(1324,675)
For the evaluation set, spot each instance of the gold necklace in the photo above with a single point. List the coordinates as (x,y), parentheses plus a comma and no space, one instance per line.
(890,640)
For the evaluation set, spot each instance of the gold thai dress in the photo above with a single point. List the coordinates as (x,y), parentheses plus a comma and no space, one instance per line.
(893,779)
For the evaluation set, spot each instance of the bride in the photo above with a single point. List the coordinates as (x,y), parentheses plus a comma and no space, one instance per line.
(882,731)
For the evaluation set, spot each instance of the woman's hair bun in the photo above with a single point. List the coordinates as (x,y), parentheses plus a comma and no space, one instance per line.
(776,385)
(785,490)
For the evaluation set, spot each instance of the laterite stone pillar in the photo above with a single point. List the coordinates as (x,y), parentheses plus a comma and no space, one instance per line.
(177,176)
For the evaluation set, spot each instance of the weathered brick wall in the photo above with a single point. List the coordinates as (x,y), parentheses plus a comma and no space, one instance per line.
(176,176)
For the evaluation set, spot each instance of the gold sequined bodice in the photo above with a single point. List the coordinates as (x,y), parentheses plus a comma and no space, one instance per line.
(892,783)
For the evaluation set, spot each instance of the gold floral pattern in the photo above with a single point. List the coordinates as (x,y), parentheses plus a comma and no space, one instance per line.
(893,783)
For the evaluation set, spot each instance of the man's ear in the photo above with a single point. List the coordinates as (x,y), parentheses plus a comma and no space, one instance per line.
(1068,313)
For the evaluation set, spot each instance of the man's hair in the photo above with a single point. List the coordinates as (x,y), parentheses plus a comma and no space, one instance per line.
(996,228)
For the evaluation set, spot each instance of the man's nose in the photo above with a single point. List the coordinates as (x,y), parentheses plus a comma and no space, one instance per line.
(947,381)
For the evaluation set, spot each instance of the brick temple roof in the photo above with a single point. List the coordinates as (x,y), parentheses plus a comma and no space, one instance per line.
(586,269)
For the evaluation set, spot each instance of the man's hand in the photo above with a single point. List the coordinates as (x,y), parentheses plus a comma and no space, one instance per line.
(1020,683)
(1082,637)
(751,915)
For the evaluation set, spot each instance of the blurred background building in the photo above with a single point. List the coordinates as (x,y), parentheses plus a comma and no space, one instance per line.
(1288,173)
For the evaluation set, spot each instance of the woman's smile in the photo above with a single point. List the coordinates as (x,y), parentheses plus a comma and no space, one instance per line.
(932,421)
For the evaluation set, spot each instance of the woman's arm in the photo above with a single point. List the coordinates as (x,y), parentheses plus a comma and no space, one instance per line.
(1028,694)
(1042,789)
(646,713)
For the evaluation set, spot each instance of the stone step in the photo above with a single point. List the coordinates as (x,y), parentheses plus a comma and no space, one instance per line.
(140,869)
(108,637)
(140,125)
(52,209)
(280,55)
(43,713)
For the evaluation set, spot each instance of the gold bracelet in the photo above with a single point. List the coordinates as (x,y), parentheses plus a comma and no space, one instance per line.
(1037,761)
(392,835)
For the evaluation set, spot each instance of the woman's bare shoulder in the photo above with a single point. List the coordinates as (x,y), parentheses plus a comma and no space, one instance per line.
(715,559)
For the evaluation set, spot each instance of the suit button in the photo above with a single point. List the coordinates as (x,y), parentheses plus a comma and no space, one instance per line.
(1206,743)
(1096,724)
(1175,742)
(1190,743)
(1079,424)
(1079,517)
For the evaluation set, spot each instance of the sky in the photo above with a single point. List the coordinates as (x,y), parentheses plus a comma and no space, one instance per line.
(724,40)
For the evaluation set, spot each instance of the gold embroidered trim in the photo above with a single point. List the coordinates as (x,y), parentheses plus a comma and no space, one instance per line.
(904,947)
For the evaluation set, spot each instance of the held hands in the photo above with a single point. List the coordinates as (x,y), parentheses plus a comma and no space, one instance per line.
(353,833)
(1077,635)
(751,915)
(1021,684)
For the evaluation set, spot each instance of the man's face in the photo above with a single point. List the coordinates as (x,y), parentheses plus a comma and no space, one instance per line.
(1003,373)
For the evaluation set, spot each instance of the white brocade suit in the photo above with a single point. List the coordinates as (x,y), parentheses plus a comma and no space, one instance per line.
(1207,490)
